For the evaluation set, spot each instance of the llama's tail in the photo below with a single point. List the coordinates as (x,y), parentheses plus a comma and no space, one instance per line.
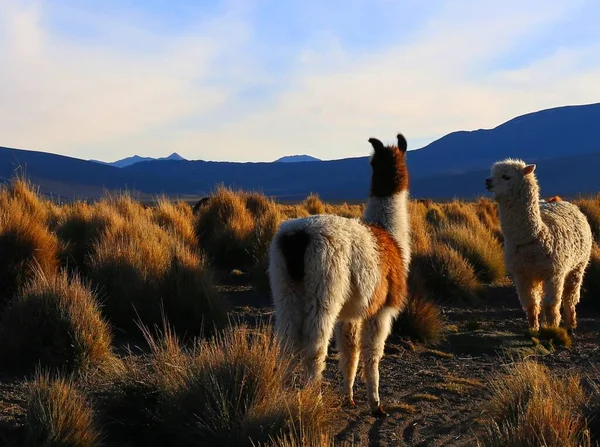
(293,247)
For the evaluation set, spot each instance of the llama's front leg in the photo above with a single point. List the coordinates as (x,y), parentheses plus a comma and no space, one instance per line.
(553,290)
(347,343)
(374,333)
(530,296)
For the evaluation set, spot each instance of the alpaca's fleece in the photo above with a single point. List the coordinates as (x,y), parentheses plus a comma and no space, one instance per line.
(349,276)
(546,243)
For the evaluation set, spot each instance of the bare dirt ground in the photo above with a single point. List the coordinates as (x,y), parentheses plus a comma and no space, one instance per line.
(456,373)
(433,396)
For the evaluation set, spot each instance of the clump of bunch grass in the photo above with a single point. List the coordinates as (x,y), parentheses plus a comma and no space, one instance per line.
(234,389)
(79,228)
(314,205)
(175,218)
(530,405)
(56,322)
(421,320)
(142,271)
(444,275)
(591,280)
(478,246)
(224,227)
(556,336)
(591,209)
(236,228)
(26,244)
(59,415)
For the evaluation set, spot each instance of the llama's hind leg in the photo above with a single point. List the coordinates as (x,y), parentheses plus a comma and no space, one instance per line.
(347,343)
(374,333)
(553,290)
(571,295)
(289,312)
(320,316)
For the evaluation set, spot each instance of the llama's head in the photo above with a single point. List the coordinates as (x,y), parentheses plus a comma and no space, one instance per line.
(510,178)
(390,175)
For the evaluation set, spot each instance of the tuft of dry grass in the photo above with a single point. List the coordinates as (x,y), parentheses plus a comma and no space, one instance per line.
(176,219)
(530,406)
(421,320)
(235,389)
(478,246)
(225,228)
(79,228)
(591,209)
(56,322)
(59,415)
(591,281)
(142,270)
(555,335)
(444,275)
(314,205)
(26,244)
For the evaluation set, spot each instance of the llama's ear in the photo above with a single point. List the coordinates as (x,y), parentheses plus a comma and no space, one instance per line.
(402,144)
(528,169)
(377,145)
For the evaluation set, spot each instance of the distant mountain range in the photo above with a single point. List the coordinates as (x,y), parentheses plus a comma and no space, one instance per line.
(563,141)
(136,159)
(296,159)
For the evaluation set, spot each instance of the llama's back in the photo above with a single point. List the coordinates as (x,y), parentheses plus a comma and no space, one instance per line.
(569,230)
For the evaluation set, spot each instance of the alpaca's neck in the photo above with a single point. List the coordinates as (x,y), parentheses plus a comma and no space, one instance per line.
(520,217)
(392,214)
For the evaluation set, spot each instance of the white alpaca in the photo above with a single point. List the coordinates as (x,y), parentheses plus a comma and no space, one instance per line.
(327,269)
(547,245)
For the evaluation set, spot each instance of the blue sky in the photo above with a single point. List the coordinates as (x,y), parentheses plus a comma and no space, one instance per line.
(258,79)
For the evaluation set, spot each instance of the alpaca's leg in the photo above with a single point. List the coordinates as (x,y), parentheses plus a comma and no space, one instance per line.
(347,342)
(530,297)
(553,290)
(571,295)
(320,316)
(374,333)
(289,312)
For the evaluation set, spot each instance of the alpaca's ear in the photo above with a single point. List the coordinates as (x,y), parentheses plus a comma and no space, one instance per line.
(528,169)
(377,145)
(402,144)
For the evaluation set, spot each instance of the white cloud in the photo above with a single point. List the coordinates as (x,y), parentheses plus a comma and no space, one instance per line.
(183,93)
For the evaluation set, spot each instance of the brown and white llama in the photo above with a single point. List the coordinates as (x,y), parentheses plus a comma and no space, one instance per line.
(349,276)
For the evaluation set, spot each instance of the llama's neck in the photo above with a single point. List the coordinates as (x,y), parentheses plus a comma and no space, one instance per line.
(520,216)
(392,214)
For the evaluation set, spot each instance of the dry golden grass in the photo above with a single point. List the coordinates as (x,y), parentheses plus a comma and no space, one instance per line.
(56,322)
(293,211)
(345,210)
(234,389)
(478,246)
(554,335)
(591,281)
(25,245)
(591,209)
(314,205)
(530,406)
(177,219)
(59,415)
(142,270)
(443,274)
(421,320)
(225,228)
(80,225)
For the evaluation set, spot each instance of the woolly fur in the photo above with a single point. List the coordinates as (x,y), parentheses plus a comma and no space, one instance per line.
(331,274)
(547,244)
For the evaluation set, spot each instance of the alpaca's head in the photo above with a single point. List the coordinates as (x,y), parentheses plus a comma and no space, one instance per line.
(509,178)
(390,174)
